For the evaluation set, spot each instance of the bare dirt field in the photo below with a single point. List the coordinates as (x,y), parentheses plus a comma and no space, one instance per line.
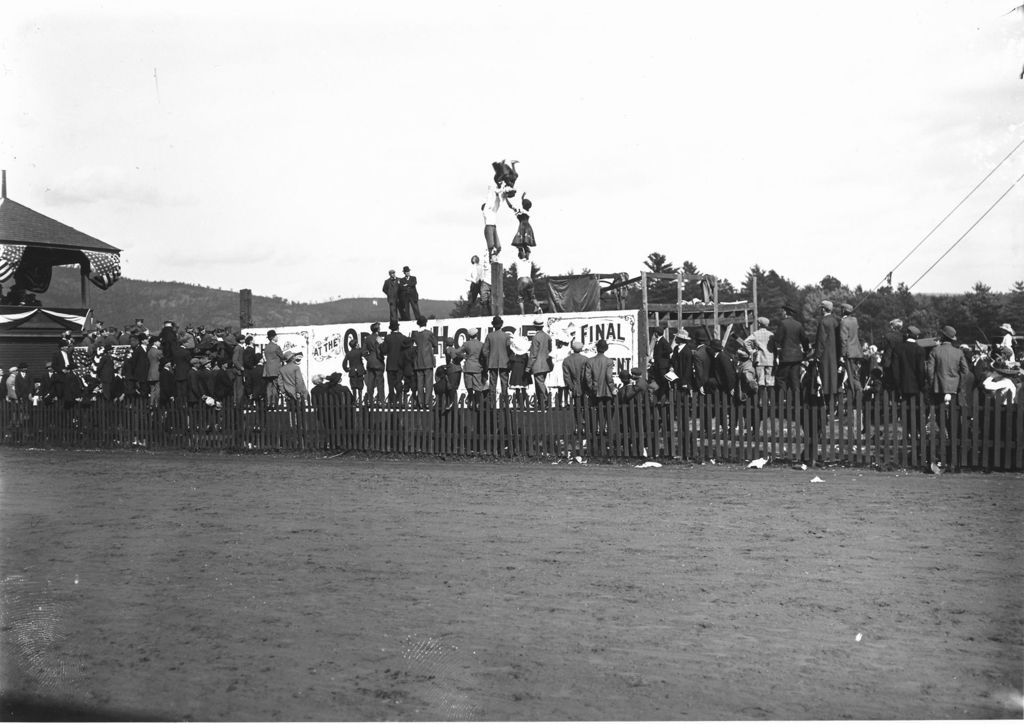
(216,587)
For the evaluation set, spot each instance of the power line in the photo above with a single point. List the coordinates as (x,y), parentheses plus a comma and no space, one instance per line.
(935,228)
(1003,196)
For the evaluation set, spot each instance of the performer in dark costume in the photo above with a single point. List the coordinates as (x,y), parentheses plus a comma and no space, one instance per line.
(505,175)
(524,234)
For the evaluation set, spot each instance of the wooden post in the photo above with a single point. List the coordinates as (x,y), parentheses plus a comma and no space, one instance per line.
(754,325)
(85,286)
(718,334)
(244,308)
(497,288)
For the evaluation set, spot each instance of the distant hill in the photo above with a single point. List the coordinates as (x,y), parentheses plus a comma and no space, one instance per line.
(184,303)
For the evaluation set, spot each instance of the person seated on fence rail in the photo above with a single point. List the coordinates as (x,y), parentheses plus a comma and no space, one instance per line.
(907,365)
(661,362)
(746,375)
(681,360)
(634,386)
(574,372)
(702,358)
(472,368)
(353,363)
(518,377)
(555,380)
(373,353)
(292,384)
(273,359)
(452,376)
(948,367)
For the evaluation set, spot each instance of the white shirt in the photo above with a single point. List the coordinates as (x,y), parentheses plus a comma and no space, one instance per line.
(524,268)
(478,273)
(491,206)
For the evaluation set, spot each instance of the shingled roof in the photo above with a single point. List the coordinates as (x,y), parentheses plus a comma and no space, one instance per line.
(21,225)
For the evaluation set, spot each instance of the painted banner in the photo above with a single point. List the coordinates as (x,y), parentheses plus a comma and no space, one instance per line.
(324,346)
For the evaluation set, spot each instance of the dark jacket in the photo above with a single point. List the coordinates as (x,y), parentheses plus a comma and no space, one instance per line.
(791,341)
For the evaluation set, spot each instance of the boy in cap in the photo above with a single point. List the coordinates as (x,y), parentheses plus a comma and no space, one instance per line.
(851,354)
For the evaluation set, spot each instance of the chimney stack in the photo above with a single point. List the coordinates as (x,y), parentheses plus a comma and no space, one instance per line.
(3,184)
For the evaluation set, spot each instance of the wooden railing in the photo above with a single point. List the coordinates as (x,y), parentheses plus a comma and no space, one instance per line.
(883,431)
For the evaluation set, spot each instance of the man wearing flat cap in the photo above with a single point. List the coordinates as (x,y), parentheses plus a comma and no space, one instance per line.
(373,353)
(762,353)
(472,368)
(539,363)
(850,352)
(791,346)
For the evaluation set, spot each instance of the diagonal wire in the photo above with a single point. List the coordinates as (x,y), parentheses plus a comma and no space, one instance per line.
(1001,197)
(935,228)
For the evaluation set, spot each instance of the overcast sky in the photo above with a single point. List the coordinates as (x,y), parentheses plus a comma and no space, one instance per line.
(302,149)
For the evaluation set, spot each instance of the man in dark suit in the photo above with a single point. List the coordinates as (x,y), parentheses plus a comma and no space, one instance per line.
(182,361)
(168,339)
(61,362)
(408,296)
(47,389)
(661,363)
(135,368)
(791,345)
(390,290)
(701,361)
(907,365)
(681,361)
(105,373)
(393,348)
(374,356)
(496,354)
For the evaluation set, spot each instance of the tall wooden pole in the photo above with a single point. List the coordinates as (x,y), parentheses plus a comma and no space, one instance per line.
(497,288)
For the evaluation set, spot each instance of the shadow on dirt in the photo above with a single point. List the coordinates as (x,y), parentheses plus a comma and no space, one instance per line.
(17,707)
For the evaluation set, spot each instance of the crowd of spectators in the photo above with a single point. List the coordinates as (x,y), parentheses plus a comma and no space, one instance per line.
(193,366)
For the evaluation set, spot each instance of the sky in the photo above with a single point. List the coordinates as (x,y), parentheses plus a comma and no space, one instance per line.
(302,150)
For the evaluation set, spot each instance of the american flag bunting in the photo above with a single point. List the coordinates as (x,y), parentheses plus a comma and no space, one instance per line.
(104,268)
(10,257)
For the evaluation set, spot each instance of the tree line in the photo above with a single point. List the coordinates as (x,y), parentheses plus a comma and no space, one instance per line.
(975,314)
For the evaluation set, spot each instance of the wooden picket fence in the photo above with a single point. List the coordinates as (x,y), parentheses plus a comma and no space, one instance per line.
(882,431)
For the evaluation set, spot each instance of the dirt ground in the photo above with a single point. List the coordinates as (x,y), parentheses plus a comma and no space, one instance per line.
(216,587)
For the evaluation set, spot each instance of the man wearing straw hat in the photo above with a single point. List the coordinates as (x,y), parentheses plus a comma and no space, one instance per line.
(1007,341)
